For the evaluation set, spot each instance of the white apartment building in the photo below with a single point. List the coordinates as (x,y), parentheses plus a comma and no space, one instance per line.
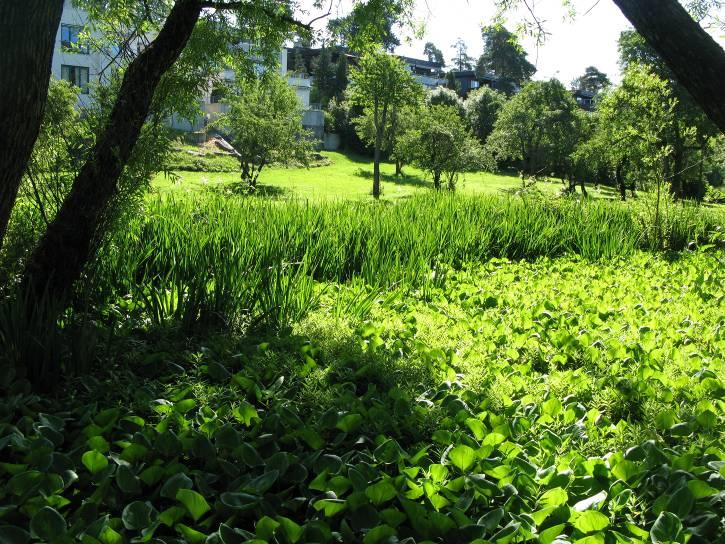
(73,60)
(76,62)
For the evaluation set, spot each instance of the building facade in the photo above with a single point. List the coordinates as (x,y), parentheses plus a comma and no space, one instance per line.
(75,61)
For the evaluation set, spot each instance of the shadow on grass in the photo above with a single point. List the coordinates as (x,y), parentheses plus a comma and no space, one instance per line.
(262,191)
(405,179)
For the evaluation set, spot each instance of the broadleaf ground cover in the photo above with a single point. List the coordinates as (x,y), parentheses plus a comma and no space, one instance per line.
(555,398)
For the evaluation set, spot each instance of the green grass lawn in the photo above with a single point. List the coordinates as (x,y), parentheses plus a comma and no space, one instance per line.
(349,177)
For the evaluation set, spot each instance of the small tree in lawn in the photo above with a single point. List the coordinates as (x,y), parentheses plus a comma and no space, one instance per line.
(381,84)
(265,123)
(443,146)
(401,120)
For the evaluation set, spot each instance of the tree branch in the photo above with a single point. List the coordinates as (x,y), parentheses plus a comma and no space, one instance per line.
(212,4)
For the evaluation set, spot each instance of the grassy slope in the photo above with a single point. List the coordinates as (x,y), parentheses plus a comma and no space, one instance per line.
(350,177)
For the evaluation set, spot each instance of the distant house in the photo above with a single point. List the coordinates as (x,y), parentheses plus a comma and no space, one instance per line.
(427,73)
(584,99)
(467,81)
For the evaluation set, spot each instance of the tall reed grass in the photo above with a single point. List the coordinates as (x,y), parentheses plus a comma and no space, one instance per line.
(214,258)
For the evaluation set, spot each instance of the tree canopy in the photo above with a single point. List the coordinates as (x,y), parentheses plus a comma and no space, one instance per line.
(442,145)
(537,128)
(592,80)
(504,57)
(265,124)
(481,108)
(381,84)
(461,59)
(433,53)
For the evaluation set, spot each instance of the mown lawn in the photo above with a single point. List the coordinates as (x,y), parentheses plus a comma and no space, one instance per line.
(350,177)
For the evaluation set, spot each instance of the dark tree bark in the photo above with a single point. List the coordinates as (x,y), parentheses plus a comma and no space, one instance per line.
(621,185)
(27,38)
(696,59)
(376,163)
(65,248)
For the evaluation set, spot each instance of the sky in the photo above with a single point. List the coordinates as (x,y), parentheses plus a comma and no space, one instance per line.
(590,39)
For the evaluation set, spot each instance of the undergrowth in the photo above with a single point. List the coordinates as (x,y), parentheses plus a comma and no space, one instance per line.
(446,369)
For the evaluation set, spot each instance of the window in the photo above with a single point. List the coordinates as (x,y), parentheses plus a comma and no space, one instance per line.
(76,75)
(217,95)
(70,39)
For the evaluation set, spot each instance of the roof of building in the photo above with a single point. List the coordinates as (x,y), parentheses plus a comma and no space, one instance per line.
(584,93)
(460,74)
(423,63)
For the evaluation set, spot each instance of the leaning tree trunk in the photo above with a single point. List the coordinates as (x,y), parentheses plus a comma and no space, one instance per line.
(65,248)
(696,59)
(27,38)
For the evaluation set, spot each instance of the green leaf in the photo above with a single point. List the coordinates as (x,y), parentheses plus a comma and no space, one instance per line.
(667,528)
(349,422)
(291,529)
(551,407)
(176,482)
(547,536)
(245,413)
(331,506)
(195,504)
(626,470)
(48,524)
(171,515)
(10,534)
(239,501)
(554,497)
(262,483)
(184,406)
(477,427)
(700,489)
(127,481)
(137,516)
(379,534)
(381,492)
(190,535)
(681,502)
(491,519)
(590,521)
(266,527)
(94,461)
(462,456)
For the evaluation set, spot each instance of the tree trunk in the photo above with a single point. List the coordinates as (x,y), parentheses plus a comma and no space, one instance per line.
(619,177)
(398,167)
(376,163)
(27,38)
(65,248)
(437,181)
(696,59)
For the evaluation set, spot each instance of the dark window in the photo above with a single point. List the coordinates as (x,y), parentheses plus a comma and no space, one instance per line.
(76,75)
(70,39)
(217,95)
